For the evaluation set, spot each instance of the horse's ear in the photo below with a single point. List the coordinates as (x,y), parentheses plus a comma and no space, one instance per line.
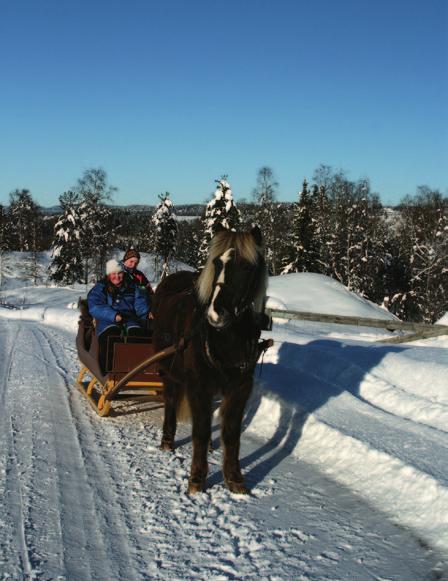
(256,233)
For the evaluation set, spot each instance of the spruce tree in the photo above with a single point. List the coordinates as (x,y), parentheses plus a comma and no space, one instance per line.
(99,232)
(165,231)
(302,253)
(4,242)
(66,267)
(350,232)
(24,215)
(424,234)
(220,211)
(322,229)
(267,216)
(362,260)
(188,239)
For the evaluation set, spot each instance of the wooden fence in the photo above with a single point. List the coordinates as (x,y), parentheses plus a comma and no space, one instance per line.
(419,330)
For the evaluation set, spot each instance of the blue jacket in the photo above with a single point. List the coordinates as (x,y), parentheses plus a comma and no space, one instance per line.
(106,300)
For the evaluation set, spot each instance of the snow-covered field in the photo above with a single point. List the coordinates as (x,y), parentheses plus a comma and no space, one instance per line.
(345,448)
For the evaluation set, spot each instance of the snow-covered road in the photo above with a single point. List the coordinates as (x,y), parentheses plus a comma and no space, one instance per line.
(90,498)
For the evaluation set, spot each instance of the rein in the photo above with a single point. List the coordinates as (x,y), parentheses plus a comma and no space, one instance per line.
(258,348)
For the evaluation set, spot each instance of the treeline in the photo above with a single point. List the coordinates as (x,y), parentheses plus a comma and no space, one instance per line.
(338,227)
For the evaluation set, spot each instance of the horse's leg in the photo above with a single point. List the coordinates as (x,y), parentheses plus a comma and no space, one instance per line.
(232,410)
(201,411)
(169,421)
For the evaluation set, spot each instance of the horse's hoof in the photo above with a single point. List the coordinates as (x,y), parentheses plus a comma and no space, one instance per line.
(195,486)
(237,487)
(167,446)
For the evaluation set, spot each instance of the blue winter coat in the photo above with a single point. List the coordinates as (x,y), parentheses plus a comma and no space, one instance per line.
(106,300)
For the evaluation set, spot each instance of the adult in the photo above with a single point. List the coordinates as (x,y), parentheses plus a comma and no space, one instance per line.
(118,305)
(130,262)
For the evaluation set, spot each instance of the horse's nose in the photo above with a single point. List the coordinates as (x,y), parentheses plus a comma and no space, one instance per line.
(218,315)
(223,313)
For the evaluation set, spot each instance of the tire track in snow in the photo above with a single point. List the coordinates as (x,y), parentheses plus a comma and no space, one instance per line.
(111,530)
(14,538)
(7,373)
(60,520)
(92,433)
(36,449)
(14,477)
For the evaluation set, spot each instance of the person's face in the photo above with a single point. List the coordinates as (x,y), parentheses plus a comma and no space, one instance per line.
(131,262)
(116,278)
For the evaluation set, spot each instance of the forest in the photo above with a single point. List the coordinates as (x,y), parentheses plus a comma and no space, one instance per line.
(394,256)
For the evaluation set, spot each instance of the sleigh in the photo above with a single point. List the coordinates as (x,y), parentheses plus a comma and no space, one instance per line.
(132,369)
(132,372)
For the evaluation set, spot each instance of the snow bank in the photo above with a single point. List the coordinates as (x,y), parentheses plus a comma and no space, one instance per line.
(53,306)
(443,320)
(373,417)
(317,293)
(339,411)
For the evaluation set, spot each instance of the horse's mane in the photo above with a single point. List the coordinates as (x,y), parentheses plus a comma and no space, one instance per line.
(245,248)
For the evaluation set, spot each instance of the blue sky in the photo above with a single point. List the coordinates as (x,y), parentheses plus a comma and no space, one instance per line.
(169,95)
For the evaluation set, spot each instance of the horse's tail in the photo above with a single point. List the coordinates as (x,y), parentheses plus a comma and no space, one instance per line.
(183,412)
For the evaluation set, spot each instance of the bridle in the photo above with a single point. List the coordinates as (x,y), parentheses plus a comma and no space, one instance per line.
(243,304)
(247,364)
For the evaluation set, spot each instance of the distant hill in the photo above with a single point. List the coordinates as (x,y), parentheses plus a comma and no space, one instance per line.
(180,210)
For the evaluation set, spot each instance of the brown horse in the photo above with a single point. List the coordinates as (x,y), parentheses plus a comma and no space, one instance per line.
(215,319)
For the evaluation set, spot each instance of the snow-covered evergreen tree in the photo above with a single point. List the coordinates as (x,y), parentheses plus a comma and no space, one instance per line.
(364,239)
(350,233)
(322,228)
(188,239)
(395,280)
(24,216)
(66,267)
(333,190)
(268,217)
(424,234)
(99,232)
(301,255)
(165,231)
(35,270)
(4,242)
(220,210)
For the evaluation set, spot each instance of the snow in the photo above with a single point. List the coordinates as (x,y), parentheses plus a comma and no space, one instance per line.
(316,293)
(443,320)
(344,448)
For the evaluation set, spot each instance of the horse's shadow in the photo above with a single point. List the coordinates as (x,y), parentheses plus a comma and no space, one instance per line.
(304,379)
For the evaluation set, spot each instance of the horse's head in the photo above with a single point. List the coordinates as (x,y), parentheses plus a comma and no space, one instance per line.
(234,277)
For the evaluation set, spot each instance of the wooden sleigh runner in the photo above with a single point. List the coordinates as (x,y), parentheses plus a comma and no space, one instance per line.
(132,370)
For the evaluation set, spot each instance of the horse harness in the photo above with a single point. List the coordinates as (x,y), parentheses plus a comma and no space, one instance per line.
(244,366)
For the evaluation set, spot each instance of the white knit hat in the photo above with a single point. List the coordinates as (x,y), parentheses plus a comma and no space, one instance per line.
(113,265)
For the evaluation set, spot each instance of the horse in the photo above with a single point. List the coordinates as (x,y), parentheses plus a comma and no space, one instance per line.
(215,319)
